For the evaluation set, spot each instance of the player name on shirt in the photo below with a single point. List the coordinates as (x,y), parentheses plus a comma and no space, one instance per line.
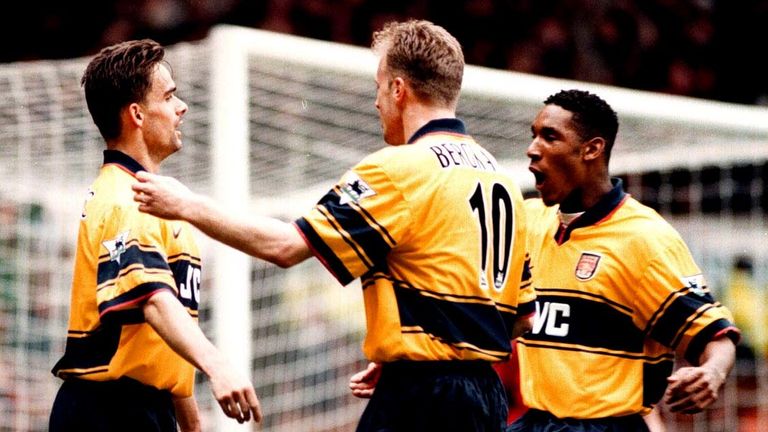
(453,154)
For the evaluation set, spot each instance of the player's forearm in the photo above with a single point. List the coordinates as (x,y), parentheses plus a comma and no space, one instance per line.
(174,325)
(719,355)
(170,320)
(266,238)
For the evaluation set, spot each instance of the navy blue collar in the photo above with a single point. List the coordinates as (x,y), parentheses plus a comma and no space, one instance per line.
(596,213)
(120,158)
(452,125)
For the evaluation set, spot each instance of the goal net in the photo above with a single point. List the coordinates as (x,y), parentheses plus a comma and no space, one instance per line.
(273,122)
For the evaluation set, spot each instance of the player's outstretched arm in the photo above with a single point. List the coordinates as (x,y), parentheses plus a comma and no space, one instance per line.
(262,237)
(171,321)
(692,389)
(364,382)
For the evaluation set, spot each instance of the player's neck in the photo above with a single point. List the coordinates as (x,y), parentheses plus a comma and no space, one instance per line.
(417,115)
(586,196)
(137,152)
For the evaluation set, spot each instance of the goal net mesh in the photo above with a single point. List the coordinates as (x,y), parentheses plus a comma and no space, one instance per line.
(309,116)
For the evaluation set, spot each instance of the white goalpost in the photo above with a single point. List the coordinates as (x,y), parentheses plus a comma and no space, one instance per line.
(311,102)
(274,120)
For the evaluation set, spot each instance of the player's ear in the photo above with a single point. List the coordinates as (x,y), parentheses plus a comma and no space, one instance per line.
(593,149)
(135,114)
(398,88)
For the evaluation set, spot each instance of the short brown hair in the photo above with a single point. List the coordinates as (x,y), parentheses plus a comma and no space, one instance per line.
(119,75)
(426,55)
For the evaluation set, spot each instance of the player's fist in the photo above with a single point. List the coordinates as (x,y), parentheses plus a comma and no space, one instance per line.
(364,382)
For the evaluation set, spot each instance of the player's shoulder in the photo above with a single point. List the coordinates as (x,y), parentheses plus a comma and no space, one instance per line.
(645,225)
(110,197)
(112,187)
(643,217)
(398,158)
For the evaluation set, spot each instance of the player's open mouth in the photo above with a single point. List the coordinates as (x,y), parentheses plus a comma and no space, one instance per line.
(538,175)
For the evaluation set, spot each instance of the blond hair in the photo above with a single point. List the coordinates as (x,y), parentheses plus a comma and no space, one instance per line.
(426,55)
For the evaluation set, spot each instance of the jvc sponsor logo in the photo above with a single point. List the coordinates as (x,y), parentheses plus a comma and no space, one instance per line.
(551,317)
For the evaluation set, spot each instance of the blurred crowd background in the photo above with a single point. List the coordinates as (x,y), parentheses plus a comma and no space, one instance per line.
(710,49)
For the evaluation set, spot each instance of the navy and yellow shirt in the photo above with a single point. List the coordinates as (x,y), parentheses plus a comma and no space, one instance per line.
(123,257)
(618,296)
(436,231)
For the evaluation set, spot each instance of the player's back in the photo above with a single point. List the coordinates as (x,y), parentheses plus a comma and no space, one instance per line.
(436,232)
(465,217)
(459,256)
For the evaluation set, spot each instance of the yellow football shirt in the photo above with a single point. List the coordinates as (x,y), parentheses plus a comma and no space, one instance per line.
(436,231)
(618,296)
(123,256)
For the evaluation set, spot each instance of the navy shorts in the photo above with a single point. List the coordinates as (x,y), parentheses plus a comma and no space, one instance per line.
(448,396)
(541,421)
(111,406)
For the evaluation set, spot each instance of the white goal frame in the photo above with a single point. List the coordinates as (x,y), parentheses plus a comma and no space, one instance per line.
(230,45)
(274,121)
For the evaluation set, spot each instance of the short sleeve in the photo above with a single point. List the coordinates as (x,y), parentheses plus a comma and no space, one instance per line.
(677,306)
(132,265)
(355,225)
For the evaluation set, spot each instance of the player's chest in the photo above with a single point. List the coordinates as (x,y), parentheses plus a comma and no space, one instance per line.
(596,265)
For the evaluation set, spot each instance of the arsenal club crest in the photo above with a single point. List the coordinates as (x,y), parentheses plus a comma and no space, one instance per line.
(587,266)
